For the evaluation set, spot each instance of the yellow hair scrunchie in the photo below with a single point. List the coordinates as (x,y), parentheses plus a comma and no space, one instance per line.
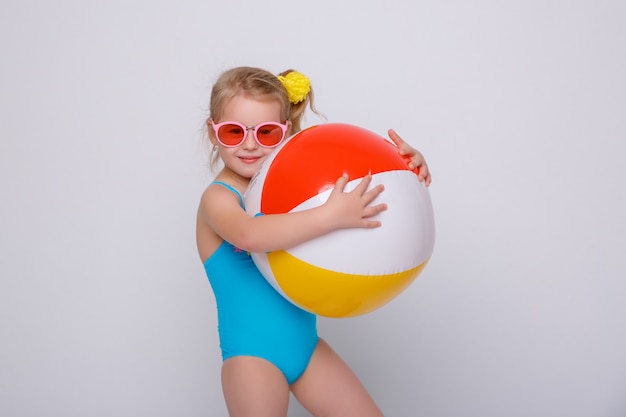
(297,84)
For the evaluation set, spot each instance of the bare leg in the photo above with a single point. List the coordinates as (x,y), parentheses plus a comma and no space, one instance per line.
(254,387)
(329,388)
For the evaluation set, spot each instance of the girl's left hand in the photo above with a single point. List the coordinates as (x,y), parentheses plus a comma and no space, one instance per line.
(416,160)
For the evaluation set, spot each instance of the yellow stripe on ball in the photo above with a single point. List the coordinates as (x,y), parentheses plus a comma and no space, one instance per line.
(336,294)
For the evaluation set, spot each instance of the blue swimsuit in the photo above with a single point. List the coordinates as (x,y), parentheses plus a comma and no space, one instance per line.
(253,318)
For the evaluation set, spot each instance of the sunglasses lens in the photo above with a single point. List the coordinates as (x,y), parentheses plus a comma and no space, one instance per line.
(270,134)
(231,134)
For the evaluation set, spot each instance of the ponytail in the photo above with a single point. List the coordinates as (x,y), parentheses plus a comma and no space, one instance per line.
(300,95)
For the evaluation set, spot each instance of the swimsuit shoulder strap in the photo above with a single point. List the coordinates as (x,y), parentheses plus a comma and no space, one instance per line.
(231,188)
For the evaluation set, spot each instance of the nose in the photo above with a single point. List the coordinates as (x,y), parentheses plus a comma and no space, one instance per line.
(249,142)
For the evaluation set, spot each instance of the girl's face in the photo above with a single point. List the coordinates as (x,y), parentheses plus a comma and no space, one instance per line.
(244,160)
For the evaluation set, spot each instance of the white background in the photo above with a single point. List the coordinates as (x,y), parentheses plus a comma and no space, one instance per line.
(519,107)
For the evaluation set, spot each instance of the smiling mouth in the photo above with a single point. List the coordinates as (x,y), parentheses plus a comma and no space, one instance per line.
(249,159)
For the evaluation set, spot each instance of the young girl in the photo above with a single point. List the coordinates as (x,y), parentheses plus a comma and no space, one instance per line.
(269,346)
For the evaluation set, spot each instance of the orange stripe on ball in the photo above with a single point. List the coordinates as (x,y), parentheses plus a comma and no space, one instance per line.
(316,157)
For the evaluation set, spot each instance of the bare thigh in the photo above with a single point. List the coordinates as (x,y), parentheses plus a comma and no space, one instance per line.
(329,388)
(254,387)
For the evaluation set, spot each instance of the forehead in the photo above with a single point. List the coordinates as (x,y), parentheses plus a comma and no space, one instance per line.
(251,111)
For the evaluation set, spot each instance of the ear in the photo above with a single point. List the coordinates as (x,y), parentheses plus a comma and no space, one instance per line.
(211,132)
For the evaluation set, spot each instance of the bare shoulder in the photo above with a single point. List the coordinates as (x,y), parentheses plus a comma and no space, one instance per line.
(221,208)
(220,217)
(214,199)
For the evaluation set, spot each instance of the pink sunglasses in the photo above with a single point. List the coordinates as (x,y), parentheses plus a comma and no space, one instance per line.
(267,134)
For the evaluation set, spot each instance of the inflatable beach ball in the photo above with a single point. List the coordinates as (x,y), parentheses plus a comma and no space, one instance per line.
(347,272)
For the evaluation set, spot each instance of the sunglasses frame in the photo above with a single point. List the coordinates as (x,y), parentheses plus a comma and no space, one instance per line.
(246,129)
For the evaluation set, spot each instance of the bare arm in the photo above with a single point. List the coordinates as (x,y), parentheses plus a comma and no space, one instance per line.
(220,209)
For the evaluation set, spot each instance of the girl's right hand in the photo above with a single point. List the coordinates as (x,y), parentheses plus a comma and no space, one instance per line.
(353,208)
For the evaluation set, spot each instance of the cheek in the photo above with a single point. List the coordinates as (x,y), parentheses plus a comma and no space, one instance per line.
(225,152)
(267,152)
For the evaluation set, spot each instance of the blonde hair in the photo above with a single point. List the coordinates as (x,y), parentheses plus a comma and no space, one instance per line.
(259,84)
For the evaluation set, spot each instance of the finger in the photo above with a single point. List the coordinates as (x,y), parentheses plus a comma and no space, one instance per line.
(428,179)
(398,141)
(395,138)
(371,195)
(423,174)
(362,187)
(371,211)
(341,182)
(371,224)
(423,171)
